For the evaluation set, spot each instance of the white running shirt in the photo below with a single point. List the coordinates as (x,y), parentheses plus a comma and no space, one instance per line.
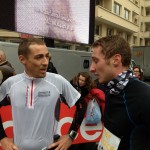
(33,103)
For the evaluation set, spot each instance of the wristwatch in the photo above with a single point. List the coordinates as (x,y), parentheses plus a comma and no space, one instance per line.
(72,134)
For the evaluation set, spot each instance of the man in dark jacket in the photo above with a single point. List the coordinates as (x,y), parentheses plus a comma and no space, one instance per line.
(51,67)
(6,69)
(127,107)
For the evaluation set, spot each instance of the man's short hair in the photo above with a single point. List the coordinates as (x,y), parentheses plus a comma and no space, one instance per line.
(23,48)
(112,45)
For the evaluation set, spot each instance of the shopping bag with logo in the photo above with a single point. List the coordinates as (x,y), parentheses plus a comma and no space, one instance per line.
(93,114)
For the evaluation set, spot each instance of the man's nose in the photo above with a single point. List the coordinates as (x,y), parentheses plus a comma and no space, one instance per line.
(92,69)
(45,61)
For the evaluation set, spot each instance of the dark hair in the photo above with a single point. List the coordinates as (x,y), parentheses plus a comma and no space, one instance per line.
(112,45)
(140,71)
(23,48)
(89,84)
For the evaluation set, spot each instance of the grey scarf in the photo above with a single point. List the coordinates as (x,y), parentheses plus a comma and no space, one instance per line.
(116,85)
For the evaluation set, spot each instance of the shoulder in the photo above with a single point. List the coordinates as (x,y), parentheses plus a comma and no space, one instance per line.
(11,82)
(50,75)
(137,92)
(14,79)
(55,78)
(138,85)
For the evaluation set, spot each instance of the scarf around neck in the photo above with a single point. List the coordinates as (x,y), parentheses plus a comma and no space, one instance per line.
(116,85)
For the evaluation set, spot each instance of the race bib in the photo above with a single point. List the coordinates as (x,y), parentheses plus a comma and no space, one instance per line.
(108,141)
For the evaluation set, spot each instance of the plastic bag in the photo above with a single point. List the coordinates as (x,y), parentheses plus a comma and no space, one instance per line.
(93,113)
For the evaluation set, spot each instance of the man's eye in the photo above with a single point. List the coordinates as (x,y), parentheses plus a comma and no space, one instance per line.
(95,60)
(38,57)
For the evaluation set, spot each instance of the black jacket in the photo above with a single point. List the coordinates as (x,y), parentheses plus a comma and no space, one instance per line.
(51,68)
(127,115)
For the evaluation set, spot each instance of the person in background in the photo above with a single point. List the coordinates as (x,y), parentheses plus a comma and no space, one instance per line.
(5,73)
(51,67)
(6,65)
(127,104)
(34,95)
(84,84)
(137,72)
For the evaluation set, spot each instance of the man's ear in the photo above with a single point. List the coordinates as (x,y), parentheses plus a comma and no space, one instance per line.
(116,59)
(22,59)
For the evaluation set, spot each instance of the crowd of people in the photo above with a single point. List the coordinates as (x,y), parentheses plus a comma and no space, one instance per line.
(33,95)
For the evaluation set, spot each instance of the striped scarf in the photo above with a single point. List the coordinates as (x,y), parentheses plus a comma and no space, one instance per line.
(116,85)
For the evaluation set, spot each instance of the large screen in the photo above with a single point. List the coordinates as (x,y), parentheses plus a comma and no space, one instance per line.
(66,20)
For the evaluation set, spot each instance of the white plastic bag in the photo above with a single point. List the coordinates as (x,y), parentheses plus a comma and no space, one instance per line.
(93,113)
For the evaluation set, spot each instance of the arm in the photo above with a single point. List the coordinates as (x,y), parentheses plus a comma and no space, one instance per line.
(65,141)
(79,114)
(2,131)
(6,143)
(4,102)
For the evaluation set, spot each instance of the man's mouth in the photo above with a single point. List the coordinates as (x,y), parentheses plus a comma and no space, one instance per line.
(43,70)
(96,75)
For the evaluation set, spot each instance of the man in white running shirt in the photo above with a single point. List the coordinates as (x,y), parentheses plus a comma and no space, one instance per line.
(33,96)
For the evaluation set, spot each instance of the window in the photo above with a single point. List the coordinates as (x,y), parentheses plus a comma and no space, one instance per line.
(126,14)
(127,38)
(117,8)
(147,28)
(147,12)
(141,27)
(141,41)
(142,10)
(110,31)
(147,43)
(98,29)
(136,2)
(99,2)
(135,21)
(119,33)
(86,64)
(134,40)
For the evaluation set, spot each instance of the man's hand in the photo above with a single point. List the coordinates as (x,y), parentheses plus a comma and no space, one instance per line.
(7,144)
(63,143)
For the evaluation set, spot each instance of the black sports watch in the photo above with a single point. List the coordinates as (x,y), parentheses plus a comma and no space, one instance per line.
(72,134)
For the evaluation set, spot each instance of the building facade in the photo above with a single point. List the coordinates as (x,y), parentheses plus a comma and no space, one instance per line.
(128,18)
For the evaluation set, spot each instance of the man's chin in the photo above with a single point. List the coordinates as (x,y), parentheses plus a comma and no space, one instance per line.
(101,81)
(42,75)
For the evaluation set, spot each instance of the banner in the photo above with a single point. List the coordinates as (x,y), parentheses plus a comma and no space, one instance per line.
(86,133)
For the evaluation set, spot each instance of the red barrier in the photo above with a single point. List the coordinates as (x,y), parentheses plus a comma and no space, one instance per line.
(86,133)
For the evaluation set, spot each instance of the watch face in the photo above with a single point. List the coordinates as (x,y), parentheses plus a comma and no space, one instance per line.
(73,134)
